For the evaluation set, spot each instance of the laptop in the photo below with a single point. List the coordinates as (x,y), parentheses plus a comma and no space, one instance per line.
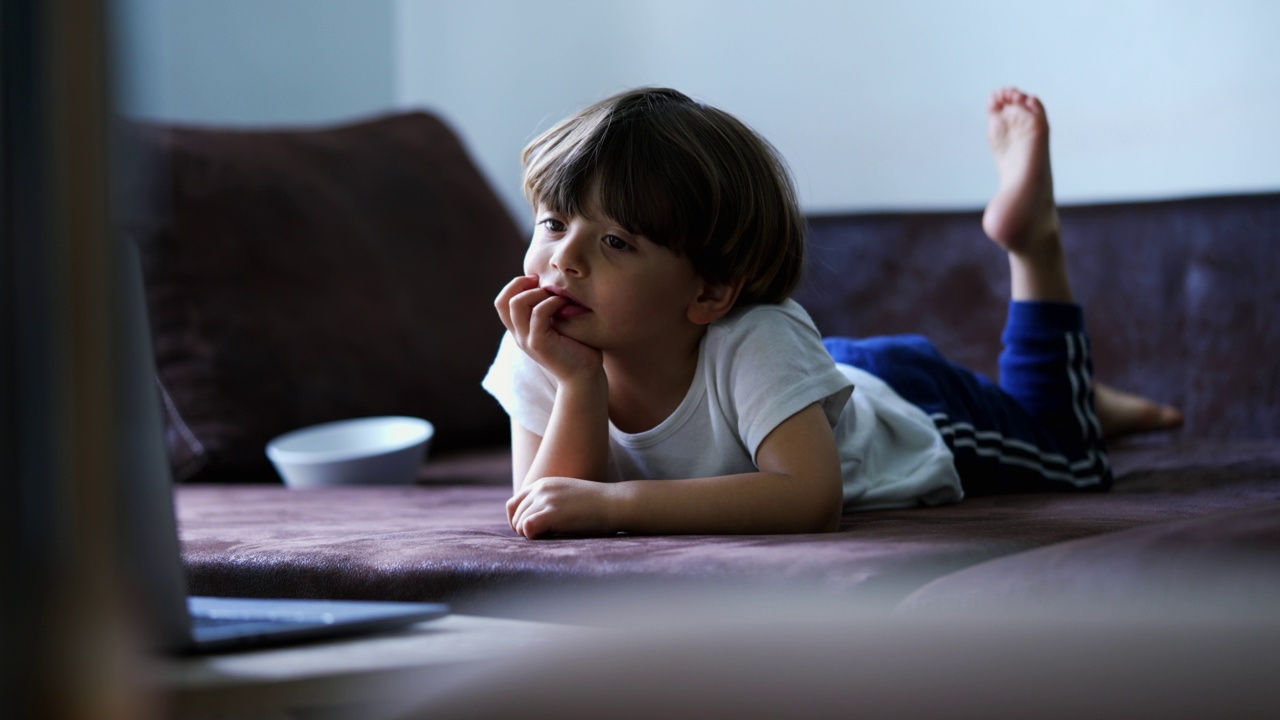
(197,624)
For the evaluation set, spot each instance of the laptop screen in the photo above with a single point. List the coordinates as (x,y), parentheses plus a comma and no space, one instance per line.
(149,540)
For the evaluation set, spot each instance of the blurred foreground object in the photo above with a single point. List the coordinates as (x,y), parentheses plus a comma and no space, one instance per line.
(68,651)
(785,656)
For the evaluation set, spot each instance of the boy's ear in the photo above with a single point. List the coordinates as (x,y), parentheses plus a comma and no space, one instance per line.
(714,301)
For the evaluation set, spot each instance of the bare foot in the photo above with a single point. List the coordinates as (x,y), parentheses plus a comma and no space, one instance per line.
(1022,217)
(1022,210)
(1122,413)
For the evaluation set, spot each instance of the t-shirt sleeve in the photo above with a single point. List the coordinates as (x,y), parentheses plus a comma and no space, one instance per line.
(771,364)
(523,387)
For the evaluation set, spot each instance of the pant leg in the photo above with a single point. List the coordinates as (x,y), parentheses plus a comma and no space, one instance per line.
(1025,436)
(1047,367)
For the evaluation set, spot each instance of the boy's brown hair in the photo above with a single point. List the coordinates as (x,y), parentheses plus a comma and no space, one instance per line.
(686,176)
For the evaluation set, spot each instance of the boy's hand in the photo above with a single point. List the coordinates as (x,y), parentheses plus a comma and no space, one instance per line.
(563,506)
(527,310)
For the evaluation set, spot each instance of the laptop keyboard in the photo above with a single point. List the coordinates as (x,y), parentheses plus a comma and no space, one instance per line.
(224,620)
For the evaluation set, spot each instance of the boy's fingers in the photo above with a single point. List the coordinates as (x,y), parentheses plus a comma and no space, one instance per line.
(513,288)
(513,505)
(542,314)
(528,505)
(502,302)
(534,526)
(521,307)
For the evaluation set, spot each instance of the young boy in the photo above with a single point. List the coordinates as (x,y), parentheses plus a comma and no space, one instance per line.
(659,380)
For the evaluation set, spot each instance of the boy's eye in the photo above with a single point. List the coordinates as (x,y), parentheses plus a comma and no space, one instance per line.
(553,225)
(616,243)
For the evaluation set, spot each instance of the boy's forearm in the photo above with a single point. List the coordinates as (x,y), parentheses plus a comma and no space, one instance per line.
(751,503)
(576,443)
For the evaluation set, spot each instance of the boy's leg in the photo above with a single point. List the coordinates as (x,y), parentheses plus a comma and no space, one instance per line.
(1046,363)
(1046,367)
(1039,430)
(1023,219)
(997,444)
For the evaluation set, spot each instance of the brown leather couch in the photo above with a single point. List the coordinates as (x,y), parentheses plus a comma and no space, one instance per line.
(303,275)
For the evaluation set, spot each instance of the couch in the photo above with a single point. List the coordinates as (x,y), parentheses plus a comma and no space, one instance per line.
(298,275)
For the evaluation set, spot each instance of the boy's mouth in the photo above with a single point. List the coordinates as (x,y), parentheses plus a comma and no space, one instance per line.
(573,309)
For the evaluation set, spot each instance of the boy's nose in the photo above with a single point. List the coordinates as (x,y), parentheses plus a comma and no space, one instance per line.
(568,256)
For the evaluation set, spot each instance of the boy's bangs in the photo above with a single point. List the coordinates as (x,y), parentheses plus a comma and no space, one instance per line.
(685,176)
(628,175)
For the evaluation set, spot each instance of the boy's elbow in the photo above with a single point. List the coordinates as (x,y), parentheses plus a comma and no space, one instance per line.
(825,522)
(828,508)
(830,521)
(831,525)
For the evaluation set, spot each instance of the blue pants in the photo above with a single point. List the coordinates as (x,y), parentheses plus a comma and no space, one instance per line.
(1037,430)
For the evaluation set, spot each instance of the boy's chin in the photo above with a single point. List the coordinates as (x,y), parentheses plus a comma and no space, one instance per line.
(577,335)
(572,330)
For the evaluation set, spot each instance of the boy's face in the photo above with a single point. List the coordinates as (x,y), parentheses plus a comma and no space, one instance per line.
(627,293)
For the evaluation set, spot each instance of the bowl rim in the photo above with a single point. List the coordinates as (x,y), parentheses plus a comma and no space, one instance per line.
(276,453)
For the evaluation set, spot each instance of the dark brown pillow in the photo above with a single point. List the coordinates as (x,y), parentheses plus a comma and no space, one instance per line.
(300,276)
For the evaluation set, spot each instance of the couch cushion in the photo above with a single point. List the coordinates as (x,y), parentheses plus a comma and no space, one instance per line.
(1227,562)
(453,543)
(296,276)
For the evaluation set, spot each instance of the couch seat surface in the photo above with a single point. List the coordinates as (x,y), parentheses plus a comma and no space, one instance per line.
(447,542)
(1228,563)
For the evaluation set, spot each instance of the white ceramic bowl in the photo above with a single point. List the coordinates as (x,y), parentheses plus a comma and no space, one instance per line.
(364,451)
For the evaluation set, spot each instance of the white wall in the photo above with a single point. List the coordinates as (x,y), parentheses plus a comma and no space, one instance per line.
(256,62)
(880,104)
(874,104)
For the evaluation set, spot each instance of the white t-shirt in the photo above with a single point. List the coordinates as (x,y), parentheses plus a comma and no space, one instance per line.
(757,367)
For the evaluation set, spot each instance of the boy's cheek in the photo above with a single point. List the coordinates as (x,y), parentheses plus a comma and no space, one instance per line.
(533,261)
